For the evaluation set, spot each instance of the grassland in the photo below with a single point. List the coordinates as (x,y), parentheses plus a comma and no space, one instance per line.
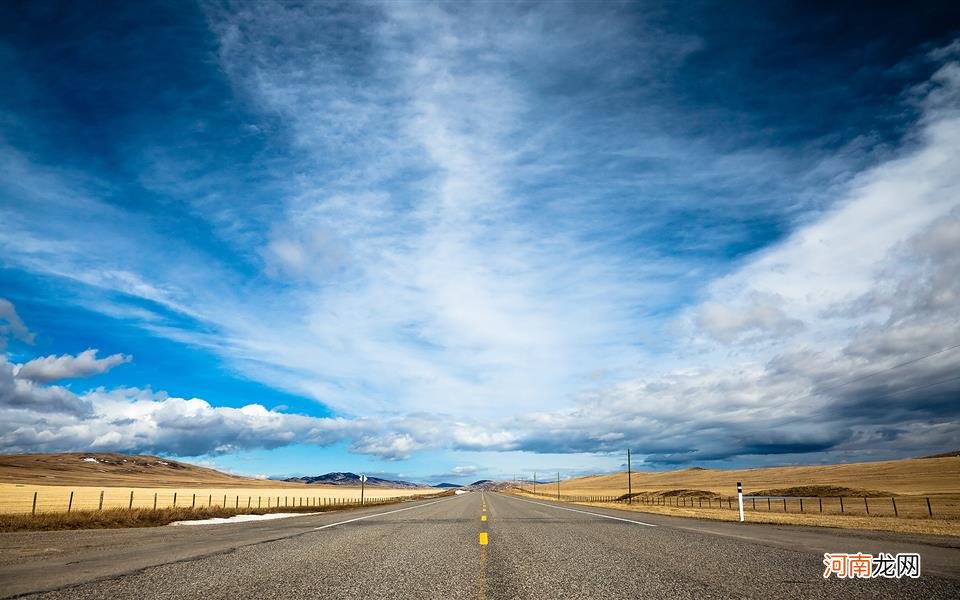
(115,518)
(912,477)
(908,482)
(155,483)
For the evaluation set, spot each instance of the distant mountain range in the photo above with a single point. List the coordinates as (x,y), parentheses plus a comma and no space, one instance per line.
(447,485)
(353,480)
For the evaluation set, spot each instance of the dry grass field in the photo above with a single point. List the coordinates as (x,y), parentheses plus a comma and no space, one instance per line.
(910,477)
(118,470)
(154,483)
(897,495)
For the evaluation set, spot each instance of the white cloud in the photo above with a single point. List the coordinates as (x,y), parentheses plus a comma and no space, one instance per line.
(53,368)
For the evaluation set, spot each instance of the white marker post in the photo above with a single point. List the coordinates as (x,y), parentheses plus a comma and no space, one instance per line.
(740,500)
(363,478)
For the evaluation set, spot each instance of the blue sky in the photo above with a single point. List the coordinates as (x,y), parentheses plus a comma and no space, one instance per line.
(464,240)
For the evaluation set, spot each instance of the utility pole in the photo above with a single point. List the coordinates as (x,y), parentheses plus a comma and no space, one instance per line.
(558,486)
(534,483)
(629,480)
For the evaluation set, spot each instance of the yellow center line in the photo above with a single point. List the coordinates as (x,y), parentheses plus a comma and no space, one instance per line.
(483,538)
(483,517)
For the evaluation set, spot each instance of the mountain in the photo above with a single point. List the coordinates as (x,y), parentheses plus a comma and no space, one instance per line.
(352,480)
(447,485)
(481,482)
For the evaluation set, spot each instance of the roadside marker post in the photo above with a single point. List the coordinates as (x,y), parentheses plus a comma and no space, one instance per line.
(740,499)
(629,480)
(363,479)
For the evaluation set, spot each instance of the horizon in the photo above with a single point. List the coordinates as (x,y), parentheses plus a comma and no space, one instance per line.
(446,242)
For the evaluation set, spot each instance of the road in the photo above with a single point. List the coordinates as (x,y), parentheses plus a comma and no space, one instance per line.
(432,549)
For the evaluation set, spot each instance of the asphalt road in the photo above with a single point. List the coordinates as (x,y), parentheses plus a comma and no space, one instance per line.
(432,549)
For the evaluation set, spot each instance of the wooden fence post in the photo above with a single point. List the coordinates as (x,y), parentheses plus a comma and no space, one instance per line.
(929,509)
(821,504)
(238,502)
(154,501)
(258,501)
(865,505)
(894,501)
(101,501)
(224,500)
(70,502)
(174,499)
(34,510)
(784,505)
(801,505)
(841,505)
(130,504)
(193,503)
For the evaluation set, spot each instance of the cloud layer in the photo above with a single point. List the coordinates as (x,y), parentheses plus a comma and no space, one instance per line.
(470,227)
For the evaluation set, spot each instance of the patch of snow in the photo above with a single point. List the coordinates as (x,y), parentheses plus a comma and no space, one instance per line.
(89,459)
(458,492)
(242,519)
(160,462)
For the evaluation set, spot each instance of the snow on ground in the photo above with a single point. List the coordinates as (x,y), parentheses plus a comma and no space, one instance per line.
(89,459)
(242,518)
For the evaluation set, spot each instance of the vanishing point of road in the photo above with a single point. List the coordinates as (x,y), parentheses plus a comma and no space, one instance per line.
(476,545)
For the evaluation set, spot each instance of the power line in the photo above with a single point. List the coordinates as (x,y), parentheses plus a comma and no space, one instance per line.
(888,369)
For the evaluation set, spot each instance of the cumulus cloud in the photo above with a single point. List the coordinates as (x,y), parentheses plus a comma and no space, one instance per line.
(132,420)
(53,368)
(36,401)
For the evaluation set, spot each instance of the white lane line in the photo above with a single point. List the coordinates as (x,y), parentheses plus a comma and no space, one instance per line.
(587,513)
(389,512)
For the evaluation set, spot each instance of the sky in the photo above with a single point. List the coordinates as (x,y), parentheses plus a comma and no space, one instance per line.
(454,241)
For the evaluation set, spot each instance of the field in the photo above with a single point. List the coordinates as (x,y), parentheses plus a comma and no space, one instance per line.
(911,495)
(154,482)
(913,477)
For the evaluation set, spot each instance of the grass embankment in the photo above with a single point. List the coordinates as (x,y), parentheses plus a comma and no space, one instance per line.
(117,518)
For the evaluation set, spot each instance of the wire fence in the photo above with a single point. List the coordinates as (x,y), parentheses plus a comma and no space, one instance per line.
(86,499)
(947,507)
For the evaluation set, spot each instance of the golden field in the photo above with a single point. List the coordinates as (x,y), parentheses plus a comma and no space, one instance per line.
(18,498)
(155,483)
(911,477)
(925,492)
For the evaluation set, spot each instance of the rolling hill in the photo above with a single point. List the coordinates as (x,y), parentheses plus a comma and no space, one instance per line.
(109,469)
(910,476)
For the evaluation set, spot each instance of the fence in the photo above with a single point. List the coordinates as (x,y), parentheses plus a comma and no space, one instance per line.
(890,506)
(64,499)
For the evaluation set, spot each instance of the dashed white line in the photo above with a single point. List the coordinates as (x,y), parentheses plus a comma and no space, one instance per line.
(602,516)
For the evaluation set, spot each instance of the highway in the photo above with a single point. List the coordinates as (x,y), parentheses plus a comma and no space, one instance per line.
(436,549)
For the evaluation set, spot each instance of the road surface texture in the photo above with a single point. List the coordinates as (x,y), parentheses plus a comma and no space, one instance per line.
(435,549)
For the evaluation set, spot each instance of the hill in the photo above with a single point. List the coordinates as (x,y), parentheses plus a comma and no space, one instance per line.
(910,476)
(110,469)
(352,480)
(448,485)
